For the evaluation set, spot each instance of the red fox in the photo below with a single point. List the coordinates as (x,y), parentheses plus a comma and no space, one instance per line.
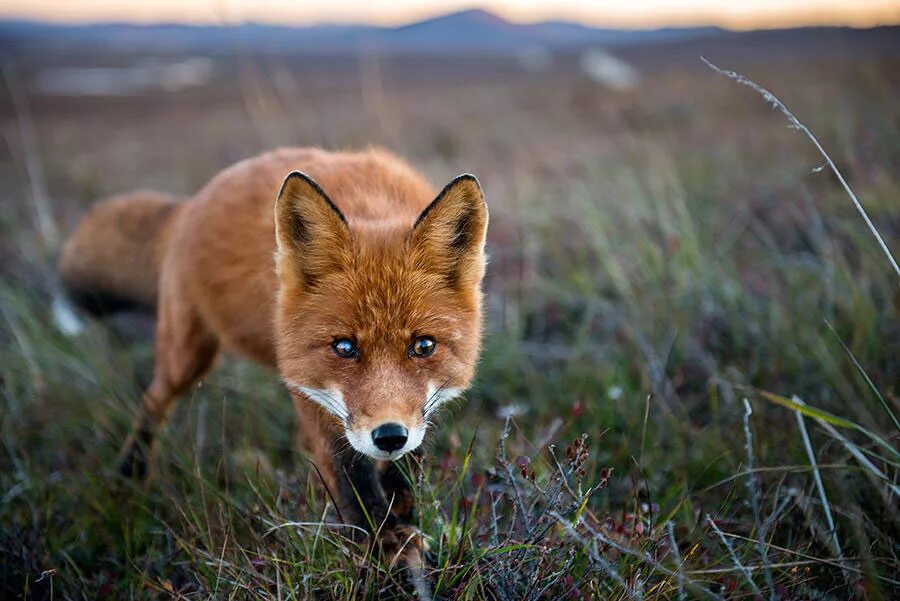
(351,276)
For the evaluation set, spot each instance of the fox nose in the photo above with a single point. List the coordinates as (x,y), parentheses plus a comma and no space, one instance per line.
(389,437)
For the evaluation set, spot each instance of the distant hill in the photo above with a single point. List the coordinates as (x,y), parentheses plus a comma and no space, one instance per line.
(479,30)
(467,32)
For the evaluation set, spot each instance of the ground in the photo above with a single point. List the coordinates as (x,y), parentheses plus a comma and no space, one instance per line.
(674,283)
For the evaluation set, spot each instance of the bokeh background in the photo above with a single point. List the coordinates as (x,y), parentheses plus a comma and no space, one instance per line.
(666,257)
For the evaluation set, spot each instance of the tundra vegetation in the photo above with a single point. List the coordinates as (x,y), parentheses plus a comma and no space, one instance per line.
(690,382)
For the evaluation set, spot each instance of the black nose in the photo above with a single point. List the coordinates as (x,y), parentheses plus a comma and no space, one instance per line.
(389,437)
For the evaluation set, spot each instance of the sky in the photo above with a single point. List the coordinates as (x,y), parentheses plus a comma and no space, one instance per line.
(735,14)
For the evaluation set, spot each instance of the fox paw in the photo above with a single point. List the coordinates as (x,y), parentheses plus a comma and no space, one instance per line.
(399,549)
(399,545)
(134,458)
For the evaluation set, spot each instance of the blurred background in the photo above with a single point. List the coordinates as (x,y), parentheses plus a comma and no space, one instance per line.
(662,247)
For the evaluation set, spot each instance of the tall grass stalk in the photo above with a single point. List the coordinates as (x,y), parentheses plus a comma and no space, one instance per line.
(796,124)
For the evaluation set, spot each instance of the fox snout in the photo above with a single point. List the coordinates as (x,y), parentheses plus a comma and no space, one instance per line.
(393,433)
(389,434)
(386,441)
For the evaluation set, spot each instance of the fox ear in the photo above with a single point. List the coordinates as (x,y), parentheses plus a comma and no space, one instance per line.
(312,234)
(449,235)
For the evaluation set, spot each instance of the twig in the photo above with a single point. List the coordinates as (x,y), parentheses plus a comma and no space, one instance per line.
(605,566)
(754,500)
(788,564)
(846,564)
(644,557)
(317,525)
(510,477)
(795,123)
(674,546)
(737,562)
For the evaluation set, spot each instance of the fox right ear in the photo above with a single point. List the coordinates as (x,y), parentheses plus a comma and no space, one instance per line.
(312,234)
(448,237)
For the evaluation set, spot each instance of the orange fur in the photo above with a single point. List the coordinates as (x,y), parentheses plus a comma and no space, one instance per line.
(358,246)
(101,262)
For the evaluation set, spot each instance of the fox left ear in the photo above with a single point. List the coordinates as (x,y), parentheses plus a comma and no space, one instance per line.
(312,234)
(449,235)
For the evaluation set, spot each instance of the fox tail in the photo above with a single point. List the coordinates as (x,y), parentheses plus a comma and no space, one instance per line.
(112,260)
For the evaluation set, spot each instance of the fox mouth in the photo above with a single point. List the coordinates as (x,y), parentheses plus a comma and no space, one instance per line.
(362,442)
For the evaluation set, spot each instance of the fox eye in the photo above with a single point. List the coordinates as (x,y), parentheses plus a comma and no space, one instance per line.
(344,348)
(423,346)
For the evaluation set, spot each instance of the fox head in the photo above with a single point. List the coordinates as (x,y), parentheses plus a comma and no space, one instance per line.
(379,323)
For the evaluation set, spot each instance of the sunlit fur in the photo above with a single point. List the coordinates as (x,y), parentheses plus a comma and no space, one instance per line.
(358,245)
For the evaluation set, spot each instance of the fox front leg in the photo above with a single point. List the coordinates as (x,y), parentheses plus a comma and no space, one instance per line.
(364,502)
(360,496)
(355,484)
(397,489)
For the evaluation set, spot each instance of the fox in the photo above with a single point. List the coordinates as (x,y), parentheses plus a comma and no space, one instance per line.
(345,273)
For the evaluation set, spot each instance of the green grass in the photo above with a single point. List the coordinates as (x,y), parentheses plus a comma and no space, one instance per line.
(637,306)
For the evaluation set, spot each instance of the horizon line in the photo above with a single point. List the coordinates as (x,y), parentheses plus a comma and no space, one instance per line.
(784,20)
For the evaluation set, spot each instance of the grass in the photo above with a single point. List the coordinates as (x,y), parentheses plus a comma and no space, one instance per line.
(688,390)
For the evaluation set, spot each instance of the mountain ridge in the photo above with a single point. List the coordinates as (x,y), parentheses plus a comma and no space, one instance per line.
(466,31)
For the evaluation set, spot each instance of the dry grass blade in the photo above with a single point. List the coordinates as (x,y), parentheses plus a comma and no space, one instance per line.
(796,124)
(859,456)
(865,376)
(46,227)
(823,417)
(820,487)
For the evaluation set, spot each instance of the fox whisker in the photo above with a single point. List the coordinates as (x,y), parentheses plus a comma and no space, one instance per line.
(335,405)
(435,399)
(323,398)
